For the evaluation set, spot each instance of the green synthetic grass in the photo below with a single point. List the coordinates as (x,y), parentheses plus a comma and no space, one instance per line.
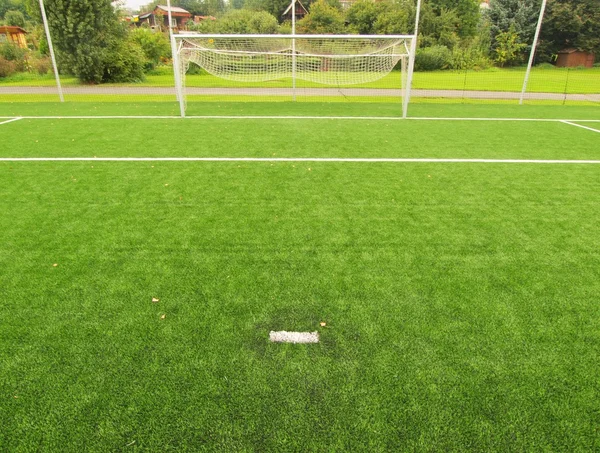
(418,109)
(325,138)
(542,80)
(461,300)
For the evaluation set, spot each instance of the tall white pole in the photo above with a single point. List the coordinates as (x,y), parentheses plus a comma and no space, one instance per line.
(293,9)
(533,49)
(51,47)
(411,62)
(176,64)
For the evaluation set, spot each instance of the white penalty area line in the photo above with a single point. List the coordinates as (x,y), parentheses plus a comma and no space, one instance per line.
(11,120)
(296,159)
(581,126)
(298,117)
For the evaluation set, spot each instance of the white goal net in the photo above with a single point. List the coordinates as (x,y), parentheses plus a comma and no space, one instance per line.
(314,61)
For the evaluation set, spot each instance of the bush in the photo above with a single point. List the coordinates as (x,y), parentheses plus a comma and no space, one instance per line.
(124,63)
(7,67)
(155,45)
(433,58)
(41,65)
(470,56)
(11,52)
(15,54)
(15,18)
(509,50)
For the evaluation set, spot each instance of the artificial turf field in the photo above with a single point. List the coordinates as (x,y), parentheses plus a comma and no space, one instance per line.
(461,299)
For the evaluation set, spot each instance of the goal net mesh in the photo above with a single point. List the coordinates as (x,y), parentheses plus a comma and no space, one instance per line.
(334,60)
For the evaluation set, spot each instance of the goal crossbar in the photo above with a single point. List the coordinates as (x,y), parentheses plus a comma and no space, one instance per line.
(290,36)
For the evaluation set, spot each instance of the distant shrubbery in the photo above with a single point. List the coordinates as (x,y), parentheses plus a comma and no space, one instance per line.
(454,34)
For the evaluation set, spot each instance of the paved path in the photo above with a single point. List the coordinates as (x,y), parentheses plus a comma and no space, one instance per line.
(348,92)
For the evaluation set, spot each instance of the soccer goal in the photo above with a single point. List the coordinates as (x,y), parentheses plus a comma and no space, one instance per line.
(289,67)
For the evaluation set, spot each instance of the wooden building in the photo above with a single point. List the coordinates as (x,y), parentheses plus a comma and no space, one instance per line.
(13,34)
(159,17)
(570,58)
(300,11)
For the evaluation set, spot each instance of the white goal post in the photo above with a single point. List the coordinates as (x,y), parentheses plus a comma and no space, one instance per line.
(320,60)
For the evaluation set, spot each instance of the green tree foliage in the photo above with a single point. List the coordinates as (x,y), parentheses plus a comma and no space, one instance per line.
(14,17)
(322,19)
(247,21)
(570,23)
(439,28)
(12,5)
(91,43)
(520,16)
(385,17)
(240,21)
(467,13)
(362,15)
(154,45)
(509,51)
(273,7)
(396,18)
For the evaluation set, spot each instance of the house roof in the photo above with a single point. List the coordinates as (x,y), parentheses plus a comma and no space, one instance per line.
(571,50)
(290,7)
(174,9)
(11,29)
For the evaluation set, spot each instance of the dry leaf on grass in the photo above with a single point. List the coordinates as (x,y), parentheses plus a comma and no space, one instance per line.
(322,324)
(163,316)
(155,299)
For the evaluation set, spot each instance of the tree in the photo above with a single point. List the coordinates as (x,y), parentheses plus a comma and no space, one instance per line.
(570,23)
(397,18)
(439,28)
(154,45)
(91,42)
(520,16)
(361,17)
(244,21)
(322,19)
(509,50)
(274,7)
(12,5)
(13,17)
(467,12)
(385,17)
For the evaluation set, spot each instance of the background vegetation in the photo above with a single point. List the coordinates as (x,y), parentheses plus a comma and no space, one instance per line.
(95,43)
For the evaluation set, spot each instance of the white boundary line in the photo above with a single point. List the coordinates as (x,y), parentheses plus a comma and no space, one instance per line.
(294,159)
(299,117)
(11,120)
(579,125)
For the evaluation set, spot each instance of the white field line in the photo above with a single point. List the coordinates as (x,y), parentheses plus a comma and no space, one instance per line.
(295,159)
(11,120)
(266,117)
(579,125)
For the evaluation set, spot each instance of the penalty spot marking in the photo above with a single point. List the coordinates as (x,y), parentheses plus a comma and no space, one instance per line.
(293,337)
(581,126)
(295,159)
(11,120)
